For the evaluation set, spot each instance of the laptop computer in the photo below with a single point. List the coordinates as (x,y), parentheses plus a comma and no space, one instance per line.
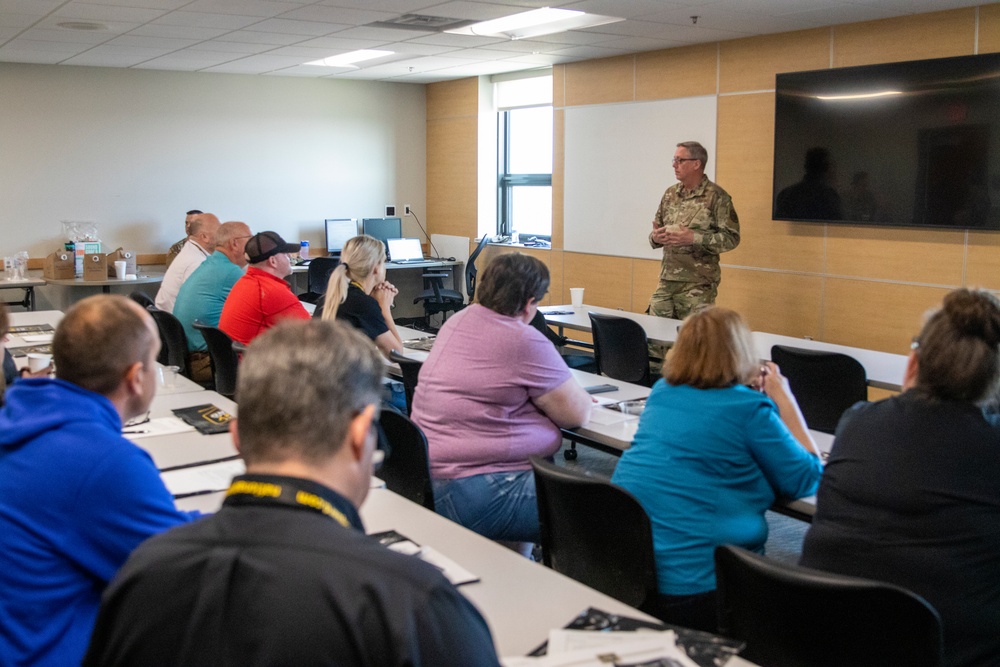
(405,251)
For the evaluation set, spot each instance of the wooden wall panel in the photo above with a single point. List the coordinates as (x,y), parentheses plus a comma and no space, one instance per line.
(449,99)
(916,37)
(750,64)
(912,255)
(989,28)
(558,176)
(983,262)
(558,86)
(745,155)
(600,81)
(451,176)
(607,281)
(684,72)
(551,258)
(876,316)
(645,277)
(784,303)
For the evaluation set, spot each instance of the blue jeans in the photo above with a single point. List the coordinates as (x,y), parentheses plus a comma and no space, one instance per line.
(500,506)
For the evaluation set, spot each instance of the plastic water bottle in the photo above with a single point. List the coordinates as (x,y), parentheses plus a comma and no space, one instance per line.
(304,250)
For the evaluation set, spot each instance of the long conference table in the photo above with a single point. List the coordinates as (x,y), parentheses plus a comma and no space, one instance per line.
(520,599)
(884,370)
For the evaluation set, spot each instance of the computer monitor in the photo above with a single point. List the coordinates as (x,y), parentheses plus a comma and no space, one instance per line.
(338,231)
(383,228)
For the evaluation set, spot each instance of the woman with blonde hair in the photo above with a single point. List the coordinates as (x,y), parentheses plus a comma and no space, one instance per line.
(720,439)
(359,293)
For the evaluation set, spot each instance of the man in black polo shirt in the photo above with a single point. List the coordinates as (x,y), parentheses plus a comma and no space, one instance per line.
(283,573)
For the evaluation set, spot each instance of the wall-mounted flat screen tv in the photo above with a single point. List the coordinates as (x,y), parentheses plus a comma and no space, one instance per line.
(911,144)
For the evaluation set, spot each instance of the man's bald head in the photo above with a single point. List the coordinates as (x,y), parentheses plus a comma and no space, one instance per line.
(203,228)
(99,339)
(231,240)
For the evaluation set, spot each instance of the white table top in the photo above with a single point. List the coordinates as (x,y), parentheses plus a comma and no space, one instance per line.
(884,369)
(148,277)
(662,330)
(190,447)
(22,282)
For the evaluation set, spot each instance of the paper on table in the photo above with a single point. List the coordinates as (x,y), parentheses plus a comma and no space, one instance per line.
(603,416)
(581,648)
(155,427)
(37,338)
(199,479)
(400,543)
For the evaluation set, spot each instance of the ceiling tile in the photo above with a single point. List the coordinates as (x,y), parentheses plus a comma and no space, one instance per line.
(231,47)
(473,11)
(458,41)
(32,7)
(11,55)
(252,37)
(260,8)
(166,43)
(325,14)
(305,28)
(341,44)
(70,36)
(205,20)
(177,32)
(187,61)
(381,34)
(84,11)
(64,48)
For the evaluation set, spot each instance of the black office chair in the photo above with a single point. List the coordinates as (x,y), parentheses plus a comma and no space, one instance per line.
(411,369)
(318,275)
(405,470)
(173,340)
(437,299)
(798,617)
(224,359)
(574,358)
(825,384)
(621,349)
(595,532)
(470,268)
(142,299)
(239,348)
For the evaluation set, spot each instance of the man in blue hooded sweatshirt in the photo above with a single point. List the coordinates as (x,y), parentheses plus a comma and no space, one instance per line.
(75,496)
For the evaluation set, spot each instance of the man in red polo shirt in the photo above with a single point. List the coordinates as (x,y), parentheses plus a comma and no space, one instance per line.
(261,297)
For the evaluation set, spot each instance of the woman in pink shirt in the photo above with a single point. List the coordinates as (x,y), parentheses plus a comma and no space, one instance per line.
(493,392)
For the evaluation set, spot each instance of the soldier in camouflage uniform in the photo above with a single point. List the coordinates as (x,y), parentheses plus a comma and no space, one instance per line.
(175,249)
(695,222)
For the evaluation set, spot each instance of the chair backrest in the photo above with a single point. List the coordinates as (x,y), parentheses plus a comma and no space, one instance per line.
(538,321)
(173,340)
(406,470)
(825,384)
(319,272)
(470,268)
(224,359)
(595,532)
(620,348)
(411,370)
(797,617)
(142,299)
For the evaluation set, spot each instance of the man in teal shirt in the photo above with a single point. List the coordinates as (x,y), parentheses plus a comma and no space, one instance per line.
(203,293)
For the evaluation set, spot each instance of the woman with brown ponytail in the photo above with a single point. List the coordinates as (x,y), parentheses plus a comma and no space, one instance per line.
(911,492)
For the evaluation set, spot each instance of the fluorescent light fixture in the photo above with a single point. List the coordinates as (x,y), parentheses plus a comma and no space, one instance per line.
(860,96)
(535,23)
(348,60)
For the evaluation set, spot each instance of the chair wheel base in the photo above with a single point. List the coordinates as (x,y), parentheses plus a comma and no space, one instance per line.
(570,454)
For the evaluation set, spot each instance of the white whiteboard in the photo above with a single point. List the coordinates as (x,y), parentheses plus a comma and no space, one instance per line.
(617,161)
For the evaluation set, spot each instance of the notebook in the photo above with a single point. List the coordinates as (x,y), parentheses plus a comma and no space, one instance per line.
(403,251)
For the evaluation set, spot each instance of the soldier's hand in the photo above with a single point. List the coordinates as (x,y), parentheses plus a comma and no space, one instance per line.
(659,234)
(679,236)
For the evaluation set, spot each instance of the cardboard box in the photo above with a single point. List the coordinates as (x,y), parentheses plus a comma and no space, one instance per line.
(95,267)
(83,248)
(121,255)
(60,265)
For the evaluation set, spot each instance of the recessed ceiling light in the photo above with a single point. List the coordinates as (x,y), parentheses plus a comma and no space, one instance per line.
(82,25)
(348,60)
(535,23)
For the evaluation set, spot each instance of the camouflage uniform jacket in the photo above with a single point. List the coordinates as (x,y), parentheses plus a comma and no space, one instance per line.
(708,211)
(175,250)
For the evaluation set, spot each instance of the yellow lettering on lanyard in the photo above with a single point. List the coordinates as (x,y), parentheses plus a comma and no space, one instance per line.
(314,501)
(259,489)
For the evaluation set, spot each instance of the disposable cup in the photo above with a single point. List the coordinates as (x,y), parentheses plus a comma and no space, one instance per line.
(38,361)
(576,296)
(120,269)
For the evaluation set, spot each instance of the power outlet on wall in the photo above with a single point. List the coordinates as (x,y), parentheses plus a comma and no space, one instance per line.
(406,209)
(390,211)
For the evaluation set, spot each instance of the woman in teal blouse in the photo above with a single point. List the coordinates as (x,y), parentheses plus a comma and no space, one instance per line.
(721,437)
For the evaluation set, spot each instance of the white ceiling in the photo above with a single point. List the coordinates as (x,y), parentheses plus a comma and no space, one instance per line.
(276,36)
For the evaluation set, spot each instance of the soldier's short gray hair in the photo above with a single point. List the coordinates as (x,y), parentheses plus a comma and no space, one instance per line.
(696,150)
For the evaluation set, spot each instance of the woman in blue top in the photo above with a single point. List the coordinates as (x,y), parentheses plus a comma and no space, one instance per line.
(711,455)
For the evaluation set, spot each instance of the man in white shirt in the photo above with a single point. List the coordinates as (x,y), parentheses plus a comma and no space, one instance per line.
(200,244)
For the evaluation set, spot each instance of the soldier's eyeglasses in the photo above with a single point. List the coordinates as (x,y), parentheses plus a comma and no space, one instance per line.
(678,160)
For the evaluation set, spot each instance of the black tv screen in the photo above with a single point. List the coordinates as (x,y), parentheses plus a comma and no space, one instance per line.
(912,144)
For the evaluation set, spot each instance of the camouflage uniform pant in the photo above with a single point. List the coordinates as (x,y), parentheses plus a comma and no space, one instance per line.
(677,299)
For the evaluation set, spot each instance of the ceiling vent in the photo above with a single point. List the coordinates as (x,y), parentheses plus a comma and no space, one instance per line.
(422,22)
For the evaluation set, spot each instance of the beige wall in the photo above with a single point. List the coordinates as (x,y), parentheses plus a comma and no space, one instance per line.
(853,285)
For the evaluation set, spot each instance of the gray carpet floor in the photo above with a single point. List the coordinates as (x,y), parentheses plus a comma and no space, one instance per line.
(784,542)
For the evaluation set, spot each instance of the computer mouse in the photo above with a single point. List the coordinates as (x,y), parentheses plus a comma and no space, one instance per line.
(451,259)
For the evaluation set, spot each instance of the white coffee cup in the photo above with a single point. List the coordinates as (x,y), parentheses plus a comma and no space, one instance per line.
(576,296)
(38,361)
(120,269)
(168,376)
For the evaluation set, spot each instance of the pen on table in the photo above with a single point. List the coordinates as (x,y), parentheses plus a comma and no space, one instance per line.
(132,432)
